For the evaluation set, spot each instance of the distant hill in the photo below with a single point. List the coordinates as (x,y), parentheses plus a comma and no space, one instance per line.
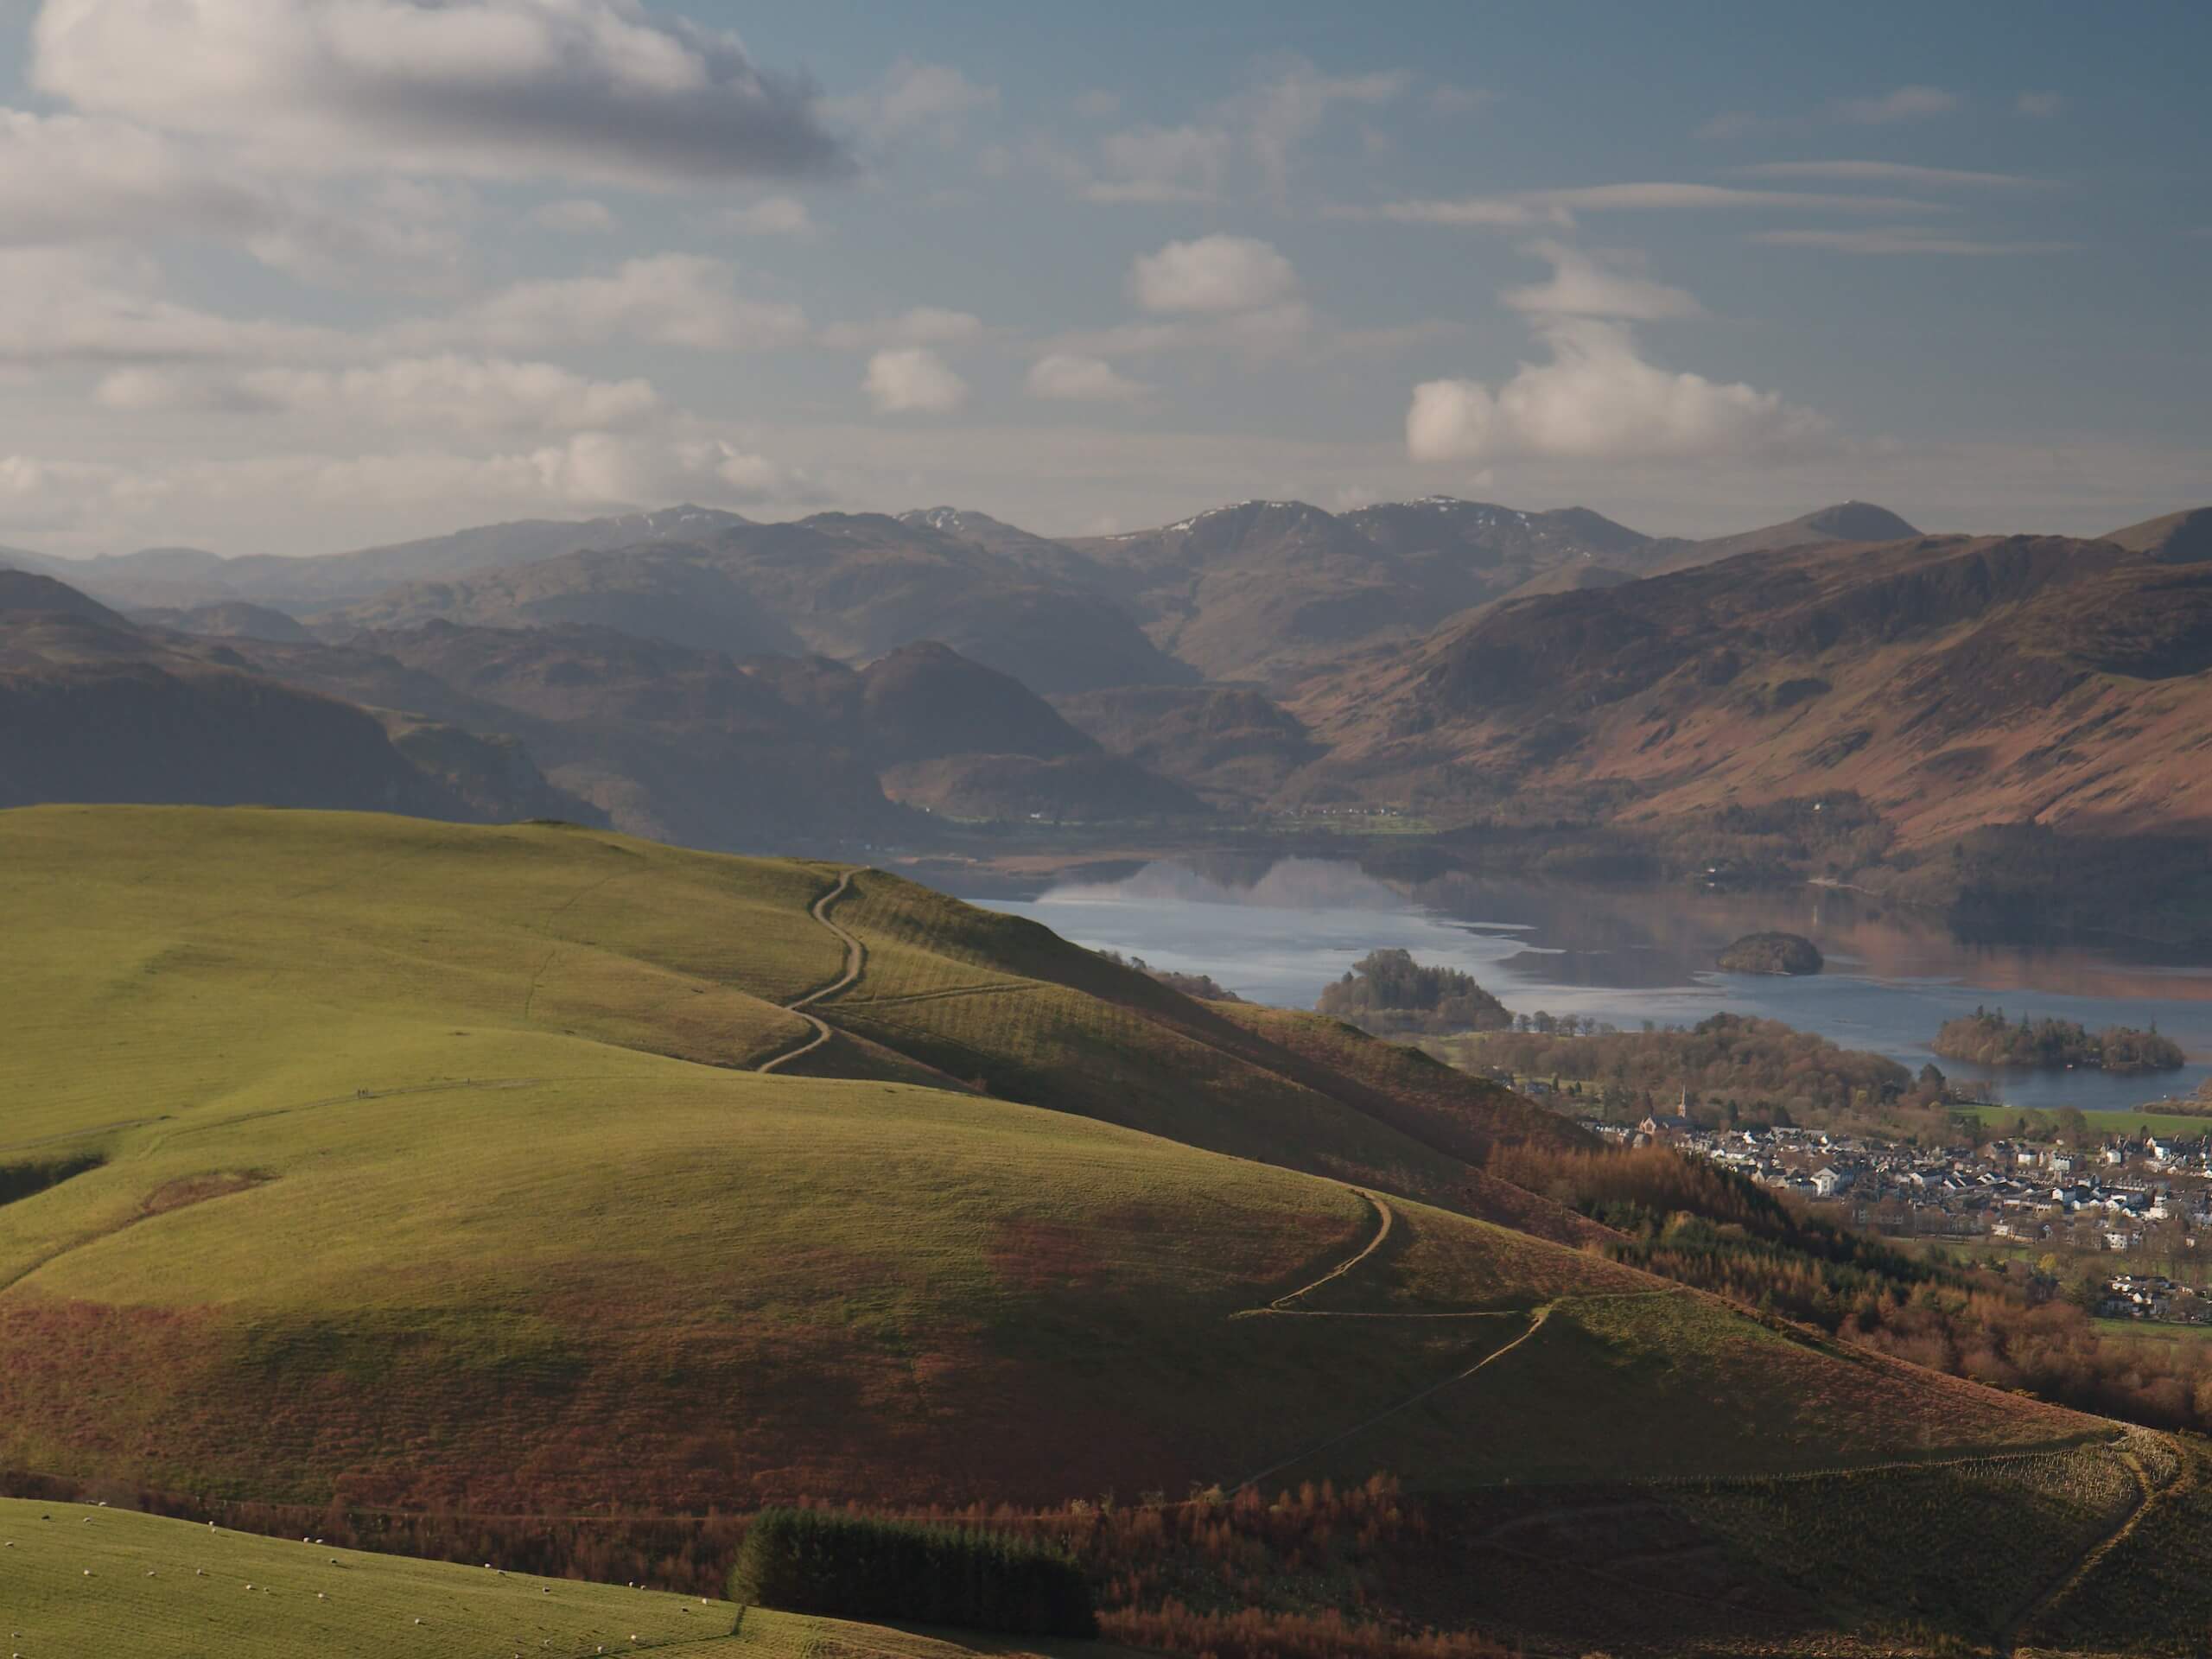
(1264,590)
(233,619)
(1846,521)
(2183,537)
(1229,744)
(1949,682)
(924,700)
(690,745)
(186,578)
(849,585)
(93,708)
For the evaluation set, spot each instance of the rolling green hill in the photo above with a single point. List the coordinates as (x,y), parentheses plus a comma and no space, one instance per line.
(84,1580)
(382,1163)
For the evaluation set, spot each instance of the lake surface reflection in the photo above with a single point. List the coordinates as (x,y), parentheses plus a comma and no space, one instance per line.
(1279,932)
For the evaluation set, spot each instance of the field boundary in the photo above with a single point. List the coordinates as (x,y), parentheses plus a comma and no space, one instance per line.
(855,965)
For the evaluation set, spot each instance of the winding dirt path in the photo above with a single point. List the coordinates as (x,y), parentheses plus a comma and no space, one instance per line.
(1384,1215)
(1535,1324)
(855,964)
(2149,1492)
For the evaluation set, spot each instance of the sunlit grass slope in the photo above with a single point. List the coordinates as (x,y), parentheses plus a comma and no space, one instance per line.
(159,1588)
(164,961)
(429,1175)
(1001,1003)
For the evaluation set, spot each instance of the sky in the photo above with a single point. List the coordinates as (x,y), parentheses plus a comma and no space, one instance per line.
(296,275)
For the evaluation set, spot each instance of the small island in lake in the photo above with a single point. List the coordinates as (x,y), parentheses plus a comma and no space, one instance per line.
(1387,992)
(1987,1038)
(1771,953)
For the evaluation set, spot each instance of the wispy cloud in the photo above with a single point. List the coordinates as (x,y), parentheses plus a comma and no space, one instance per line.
(1901,173)
(1264,125)
(1528,208)
(1904,103)
(1583,286)
(1899,239)
(2039,106)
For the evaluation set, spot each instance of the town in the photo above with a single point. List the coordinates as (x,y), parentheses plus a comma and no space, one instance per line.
(2147,1196)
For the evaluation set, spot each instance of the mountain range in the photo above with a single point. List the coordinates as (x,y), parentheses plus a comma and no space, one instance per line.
(692,674)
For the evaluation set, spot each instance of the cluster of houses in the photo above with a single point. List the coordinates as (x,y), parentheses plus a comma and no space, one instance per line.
(2131,1193)
(2153,1296)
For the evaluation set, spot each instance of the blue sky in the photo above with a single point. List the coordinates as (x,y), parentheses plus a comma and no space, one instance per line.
(295,275)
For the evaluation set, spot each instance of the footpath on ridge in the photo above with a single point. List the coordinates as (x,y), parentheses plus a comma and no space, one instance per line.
(855,963)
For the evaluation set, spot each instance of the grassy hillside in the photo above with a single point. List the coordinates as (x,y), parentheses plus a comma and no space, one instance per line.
(158,1587)
(405,1163)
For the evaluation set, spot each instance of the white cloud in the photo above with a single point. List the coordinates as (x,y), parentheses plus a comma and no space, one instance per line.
(1596,399)
(68,178)
(770,216)
(1581,286)
(1161,164)
(1215,273)
(915,97)
(1097,103)
(677,299)
(924,325)
(490,394)
(912,380)
(2039,106)
(1904,103)
(1891,173)
(73,305)
(1068,377)
(598,89)
(1899,239)
(578,216)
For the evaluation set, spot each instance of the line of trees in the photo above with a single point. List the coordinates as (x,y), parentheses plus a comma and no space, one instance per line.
(859,1566)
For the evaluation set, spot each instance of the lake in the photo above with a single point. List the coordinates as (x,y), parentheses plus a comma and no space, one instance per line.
(1278,931)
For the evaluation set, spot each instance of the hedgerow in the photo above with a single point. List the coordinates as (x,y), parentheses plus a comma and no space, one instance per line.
(860,1568)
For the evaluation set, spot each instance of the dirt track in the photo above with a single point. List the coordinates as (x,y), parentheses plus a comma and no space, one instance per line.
(855,963)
